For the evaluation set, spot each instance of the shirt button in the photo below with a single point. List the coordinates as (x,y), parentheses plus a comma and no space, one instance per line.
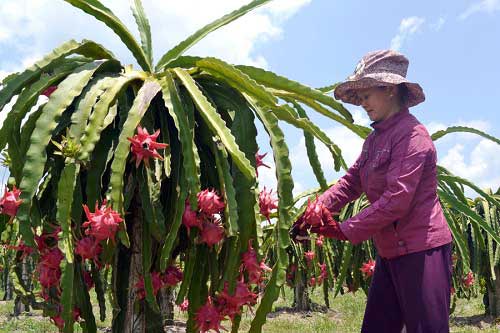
(396,234)
(401,243)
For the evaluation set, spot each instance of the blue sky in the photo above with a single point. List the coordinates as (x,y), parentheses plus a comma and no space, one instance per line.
(452,46)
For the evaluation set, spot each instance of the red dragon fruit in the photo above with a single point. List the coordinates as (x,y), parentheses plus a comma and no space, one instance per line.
(144,146)
(313,215)
(259,162)
(309,255)
(267,203)
(88,248)
(103,224)
(209,202)
(320,240)
(173,275)
(47,92)
(48,276)
(10,201)
(184,305)
(190,218)
(252,266)
(469,280)
(212,233)
(58,321)
(155,280)
(208,317)
(230,305)
(368,268)
(52,258)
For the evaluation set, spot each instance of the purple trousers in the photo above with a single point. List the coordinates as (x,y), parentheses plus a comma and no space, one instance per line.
(413,291)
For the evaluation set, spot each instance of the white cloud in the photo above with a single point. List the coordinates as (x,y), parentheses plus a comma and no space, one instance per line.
(34,27)
(408,27)
(481,125)
(480,165)
(485,6)
(436,26)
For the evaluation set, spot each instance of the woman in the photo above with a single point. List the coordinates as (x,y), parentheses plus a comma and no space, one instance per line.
(397,172)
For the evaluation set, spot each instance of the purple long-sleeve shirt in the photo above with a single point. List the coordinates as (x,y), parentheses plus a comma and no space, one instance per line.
(397,171)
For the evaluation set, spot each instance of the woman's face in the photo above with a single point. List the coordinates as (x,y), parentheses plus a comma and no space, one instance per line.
(379,102)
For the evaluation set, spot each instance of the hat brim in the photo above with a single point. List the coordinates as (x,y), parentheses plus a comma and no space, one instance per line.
(347,91)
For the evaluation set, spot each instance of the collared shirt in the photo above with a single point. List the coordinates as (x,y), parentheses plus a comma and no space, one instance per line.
(397,171)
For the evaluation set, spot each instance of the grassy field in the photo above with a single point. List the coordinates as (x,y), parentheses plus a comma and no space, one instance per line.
(345,316)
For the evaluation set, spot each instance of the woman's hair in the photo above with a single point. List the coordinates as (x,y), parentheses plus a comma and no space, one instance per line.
(403,94)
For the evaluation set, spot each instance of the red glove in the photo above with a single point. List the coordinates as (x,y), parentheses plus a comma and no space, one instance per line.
(330,228)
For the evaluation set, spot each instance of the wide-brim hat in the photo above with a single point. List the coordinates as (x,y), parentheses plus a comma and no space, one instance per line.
(376,69)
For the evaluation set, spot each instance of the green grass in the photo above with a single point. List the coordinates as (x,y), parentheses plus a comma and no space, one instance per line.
(345,315)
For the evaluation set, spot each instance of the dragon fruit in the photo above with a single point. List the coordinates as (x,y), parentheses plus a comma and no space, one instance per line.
(230,305)
(368,268)
(88,248)
(469,280)
(172,276)
(144,146)
(208,317)
(313,215)
(309,255)
(48,276)
(212,233)
(103,224)
(252,266)
(209,202)
(190,218)
(58,321)
(47,92)
(184,305)
(259,162)
(320,240)
(155,280)
(10,201)
(267,203)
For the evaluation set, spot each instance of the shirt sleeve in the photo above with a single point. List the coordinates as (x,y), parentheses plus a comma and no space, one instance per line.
(345,190)
(408,159)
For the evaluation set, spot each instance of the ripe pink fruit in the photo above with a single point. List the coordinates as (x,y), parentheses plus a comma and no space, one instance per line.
(88,248)
(212,233)
(103,224)
(155,280)
(190,218)
(309,255)
(173,275)
(320,240)
(184,305)
(368,268)
(313,215)
(144,146)
(267,203)
(259,162)
(469,280)
(209,202)
(10,201)
(208,317)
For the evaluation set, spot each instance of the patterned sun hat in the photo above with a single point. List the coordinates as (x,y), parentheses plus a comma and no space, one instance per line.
(376,69)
